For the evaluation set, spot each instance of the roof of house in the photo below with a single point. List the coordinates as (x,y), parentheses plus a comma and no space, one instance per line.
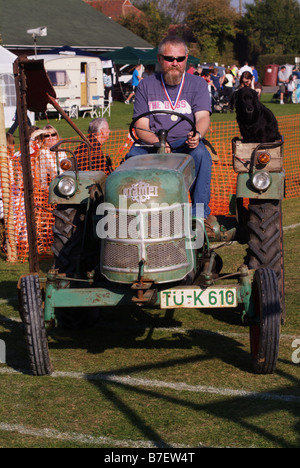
(68,22)
(114,8)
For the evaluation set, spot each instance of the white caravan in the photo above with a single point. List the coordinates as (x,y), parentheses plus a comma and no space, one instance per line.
(77,81)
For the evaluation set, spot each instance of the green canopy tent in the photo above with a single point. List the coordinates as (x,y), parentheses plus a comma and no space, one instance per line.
(130,55)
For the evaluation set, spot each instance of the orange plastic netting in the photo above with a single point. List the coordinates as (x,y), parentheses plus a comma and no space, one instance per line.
(223,184)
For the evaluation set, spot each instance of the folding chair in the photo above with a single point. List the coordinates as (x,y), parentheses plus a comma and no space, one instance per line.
(61,102)
(105,107)
(95,106)
(73,113)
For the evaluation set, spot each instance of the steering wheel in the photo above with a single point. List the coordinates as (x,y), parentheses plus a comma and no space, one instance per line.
(162,134)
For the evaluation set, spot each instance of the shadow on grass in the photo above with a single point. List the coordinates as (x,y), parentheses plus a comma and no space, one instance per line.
(242,413)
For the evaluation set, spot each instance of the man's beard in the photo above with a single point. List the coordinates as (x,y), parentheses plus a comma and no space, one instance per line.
(173,76)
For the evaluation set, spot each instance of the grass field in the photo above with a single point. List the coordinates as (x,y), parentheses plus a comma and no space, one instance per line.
(144,378)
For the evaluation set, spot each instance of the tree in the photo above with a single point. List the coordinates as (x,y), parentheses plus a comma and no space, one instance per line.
(213,23)
(151,26)
(168,8)
(271,27)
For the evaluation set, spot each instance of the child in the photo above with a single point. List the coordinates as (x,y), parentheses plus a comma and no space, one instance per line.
(291,87)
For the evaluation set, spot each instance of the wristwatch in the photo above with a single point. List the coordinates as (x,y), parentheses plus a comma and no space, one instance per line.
(200,137)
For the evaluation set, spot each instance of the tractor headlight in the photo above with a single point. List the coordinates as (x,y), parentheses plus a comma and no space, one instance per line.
(261,180)
(67,186)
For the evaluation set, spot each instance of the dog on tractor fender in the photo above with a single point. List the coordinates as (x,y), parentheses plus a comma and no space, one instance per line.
(256,122)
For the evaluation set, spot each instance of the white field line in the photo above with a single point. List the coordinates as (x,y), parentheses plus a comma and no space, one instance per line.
(82,438)
(153,383)
(135,382)
(292,226)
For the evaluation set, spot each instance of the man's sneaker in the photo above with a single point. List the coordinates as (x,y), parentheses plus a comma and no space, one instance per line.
(126,102)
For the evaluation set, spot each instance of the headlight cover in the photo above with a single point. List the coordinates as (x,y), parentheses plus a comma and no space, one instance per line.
(67,186)
(261,180)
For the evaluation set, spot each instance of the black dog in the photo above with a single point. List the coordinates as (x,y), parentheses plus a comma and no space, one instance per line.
(256,122)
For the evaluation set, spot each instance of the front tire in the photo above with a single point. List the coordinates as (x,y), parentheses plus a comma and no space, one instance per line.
(68,234)
(265,334)
(76,252)
(32,314)
(266,241)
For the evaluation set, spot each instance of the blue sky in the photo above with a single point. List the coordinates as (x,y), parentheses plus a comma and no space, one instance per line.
(236,3)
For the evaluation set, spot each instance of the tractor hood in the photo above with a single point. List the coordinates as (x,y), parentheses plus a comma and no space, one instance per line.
(152,179)
(147,220)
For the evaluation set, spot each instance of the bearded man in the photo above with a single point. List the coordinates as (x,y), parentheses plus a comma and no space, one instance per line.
(175,90)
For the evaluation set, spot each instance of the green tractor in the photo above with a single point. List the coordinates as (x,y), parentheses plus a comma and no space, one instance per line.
(128,238)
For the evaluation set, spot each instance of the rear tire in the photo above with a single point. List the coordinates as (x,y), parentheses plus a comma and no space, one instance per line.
(34,325)
(265,335)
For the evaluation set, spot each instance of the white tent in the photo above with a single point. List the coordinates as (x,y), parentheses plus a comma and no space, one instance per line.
(7,84)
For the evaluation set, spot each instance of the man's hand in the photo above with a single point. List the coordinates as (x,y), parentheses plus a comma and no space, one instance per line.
(193,141)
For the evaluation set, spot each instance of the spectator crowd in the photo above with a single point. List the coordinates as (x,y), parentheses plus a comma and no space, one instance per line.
(223,81)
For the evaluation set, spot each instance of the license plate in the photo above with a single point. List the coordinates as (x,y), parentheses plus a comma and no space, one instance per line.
(198,298)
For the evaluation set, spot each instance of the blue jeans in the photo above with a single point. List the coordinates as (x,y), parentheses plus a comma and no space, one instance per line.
(200,190)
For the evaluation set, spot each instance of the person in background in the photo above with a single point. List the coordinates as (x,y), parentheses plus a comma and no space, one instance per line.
(228,84)
(235,72)
(254,73)
(51,136)
(191,69)
(98,134)
(211,87)
(282,82)
(217,81)
(108,85)
(247,80)
(149,70)
(10,143)
(198,70)
(136,78)
(245,67)
(291,88)
(15,125)
(296,72)
(47,158)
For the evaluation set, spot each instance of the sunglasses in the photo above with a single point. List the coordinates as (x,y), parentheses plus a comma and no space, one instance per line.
(50,135)
(169,58)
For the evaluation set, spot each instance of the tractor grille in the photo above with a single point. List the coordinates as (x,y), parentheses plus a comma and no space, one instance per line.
(166,254)
(165,224)
(121,255)
(155,236)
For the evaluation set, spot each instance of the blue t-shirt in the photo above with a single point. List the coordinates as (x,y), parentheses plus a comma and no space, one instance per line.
(150,96)
(216,80)
(135,81)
